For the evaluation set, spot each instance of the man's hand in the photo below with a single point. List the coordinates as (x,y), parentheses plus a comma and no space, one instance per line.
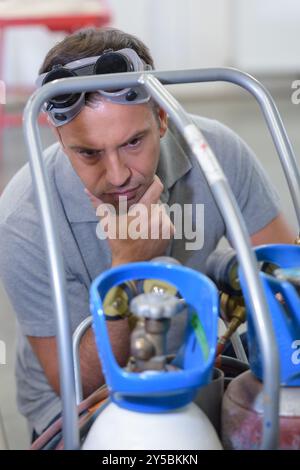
(143,232)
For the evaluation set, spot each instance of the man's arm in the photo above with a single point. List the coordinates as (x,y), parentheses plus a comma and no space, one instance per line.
(123,251)
(24,273)
(277,231)
(91,371)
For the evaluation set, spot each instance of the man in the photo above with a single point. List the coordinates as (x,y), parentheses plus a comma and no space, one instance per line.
(110,146)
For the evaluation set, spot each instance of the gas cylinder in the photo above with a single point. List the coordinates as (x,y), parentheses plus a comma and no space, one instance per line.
(242,410)
(242,403)
(151,399)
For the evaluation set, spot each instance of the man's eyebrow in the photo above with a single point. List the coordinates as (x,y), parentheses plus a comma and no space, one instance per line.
(91,149)
(82,147)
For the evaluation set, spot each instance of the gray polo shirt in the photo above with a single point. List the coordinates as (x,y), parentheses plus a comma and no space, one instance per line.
(23,265)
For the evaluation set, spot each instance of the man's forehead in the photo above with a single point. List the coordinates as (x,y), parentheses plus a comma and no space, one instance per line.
(107,111)
(92,125)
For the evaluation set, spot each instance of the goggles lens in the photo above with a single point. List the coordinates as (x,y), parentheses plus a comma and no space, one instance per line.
(112,62)
(61,101)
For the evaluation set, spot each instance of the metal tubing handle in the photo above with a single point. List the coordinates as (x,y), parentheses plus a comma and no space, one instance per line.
(237,230)
(56,274)
(218,74)
(77,336)
(268,107)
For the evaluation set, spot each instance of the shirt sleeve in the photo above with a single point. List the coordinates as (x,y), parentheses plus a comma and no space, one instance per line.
(24,272)
(257,198)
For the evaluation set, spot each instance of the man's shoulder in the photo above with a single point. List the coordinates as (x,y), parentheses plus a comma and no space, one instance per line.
(206,124)
(17,200)
(177,160)
(216,133)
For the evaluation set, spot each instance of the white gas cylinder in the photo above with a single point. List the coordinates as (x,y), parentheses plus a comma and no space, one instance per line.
(119,428)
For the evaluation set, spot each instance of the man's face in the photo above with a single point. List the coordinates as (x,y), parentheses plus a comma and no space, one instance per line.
(114,149)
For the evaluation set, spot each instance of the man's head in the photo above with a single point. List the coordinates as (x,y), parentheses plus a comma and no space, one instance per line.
(103,51)
(114,148)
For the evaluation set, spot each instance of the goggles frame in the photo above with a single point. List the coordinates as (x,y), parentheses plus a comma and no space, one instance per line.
(63,108)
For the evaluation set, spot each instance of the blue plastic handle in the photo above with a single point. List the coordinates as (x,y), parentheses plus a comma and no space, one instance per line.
(158,391)
(285,317)
(284,256)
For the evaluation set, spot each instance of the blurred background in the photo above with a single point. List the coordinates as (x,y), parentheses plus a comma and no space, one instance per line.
(260,37)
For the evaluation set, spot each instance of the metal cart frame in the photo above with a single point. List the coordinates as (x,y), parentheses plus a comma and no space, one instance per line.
(222,193)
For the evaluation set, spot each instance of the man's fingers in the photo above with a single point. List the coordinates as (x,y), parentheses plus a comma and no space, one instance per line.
(151,196)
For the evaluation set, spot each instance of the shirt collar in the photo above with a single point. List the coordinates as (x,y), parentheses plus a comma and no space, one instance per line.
(174,160)
(174,163)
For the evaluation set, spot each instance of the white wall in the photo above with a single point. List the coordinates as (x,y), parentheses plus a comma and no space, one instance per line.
(24,53)
(256,35)
(180,34)
(267,35)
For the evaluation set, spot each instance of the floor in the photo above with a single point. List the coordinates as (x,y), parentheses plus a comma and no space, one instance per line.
(237,111)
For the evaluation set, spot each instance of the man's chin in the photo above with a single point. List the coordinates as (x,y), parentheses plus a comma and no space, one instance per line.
(123,204)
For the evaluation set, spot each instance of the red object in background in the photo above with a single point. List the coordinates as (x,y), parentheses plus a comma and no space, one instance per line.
(67,23)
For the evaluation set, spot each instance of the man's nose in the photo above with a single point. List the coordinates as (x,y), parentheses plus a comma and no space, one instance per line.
(117,173)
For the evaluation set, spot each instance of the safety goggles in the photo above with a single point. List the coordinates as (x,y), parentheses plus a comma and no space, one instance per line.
(62,109)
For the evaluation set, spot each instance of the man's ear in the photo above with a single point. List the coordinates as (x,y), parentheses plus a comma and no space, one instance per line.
(163,121)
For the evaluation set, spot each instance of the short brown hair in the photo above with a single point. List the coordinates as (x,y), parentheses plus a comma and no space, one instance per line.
(91,42)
